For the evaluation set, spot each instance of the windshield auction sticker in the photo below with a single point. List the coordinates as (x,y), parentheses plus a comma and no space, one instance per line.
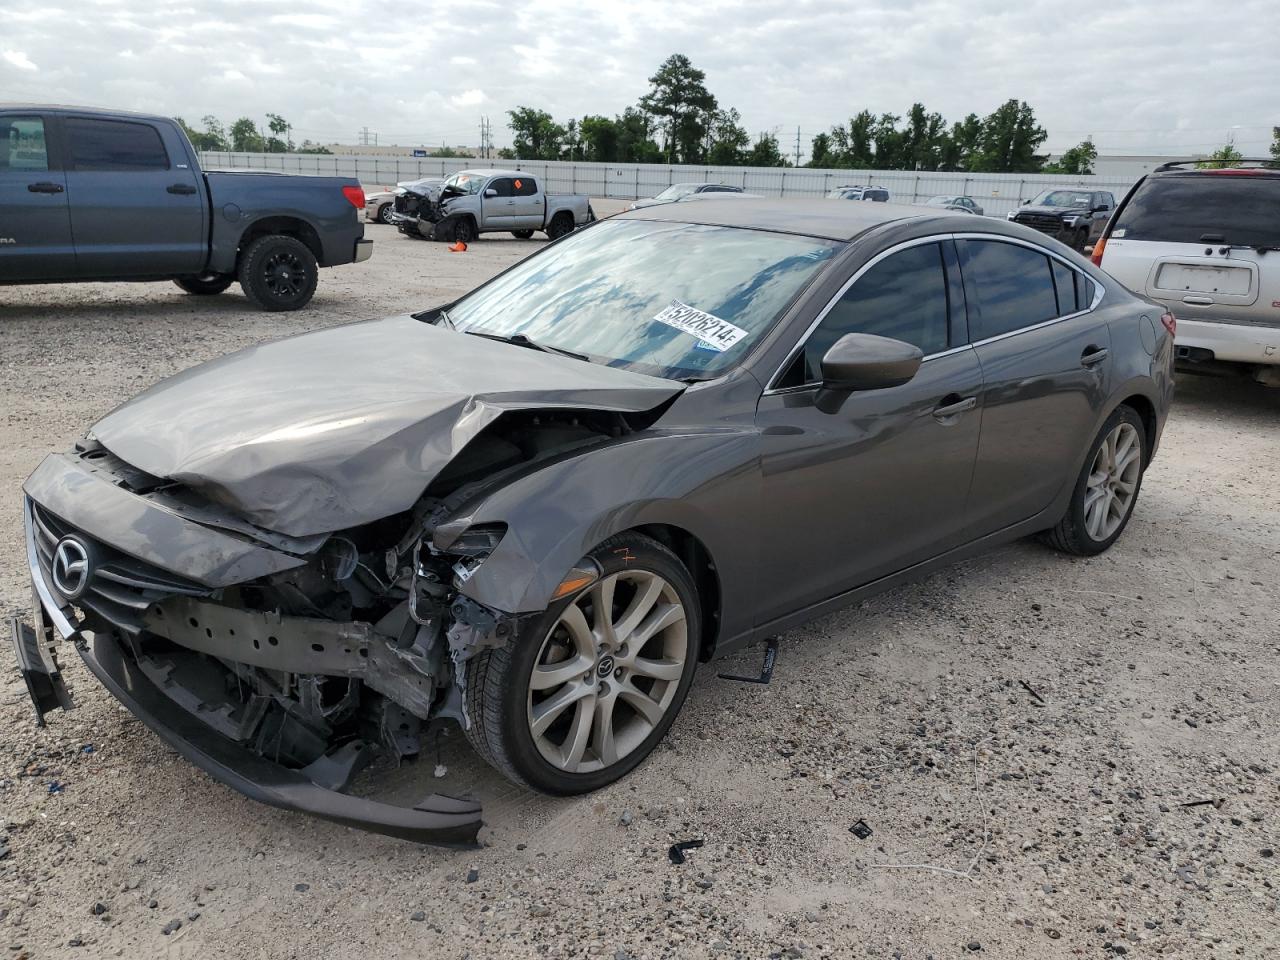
(717,334)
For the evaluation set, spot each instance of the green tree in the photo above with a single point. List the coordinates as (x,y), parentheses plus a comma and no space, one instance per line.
(279,141)
(635,139)
(245,137)
(1009,140)
(766,153)
(572,140)
(599,139)
(678,97)
(446,153)
(506,153)
(537,135)
(1275,142)
(1078,160)
(820,151)
(1225,156)
(213,137)
(961,145)
(727,141)
(309,147)
(923,140)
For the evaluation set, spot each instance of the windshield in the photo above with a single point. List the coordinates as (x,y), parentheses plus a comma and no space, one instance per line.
(1243,211)
(1063,198)
(677,190)
(676,300)
(464,184)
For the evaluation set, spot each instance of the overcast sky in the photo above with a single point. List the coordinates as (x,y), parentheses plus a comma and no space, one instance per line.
(1158,76)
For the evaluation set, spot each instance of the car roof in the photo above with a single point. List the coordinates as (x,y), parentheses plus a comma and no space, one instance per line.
(809,217)
(71,108)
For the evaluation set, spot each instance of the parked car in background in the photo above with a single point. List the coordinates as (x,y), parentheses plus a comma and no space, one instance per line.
(857,192)
(1074,216)
(472,202)
(379,207)
(1206,243)
(92,194)
(522,511)
(958,204)
(682,191)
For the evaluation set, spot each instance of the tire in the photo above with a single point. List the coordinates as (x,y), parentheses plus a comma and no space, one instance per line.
(278,273)
(384,213)
(561,224)
(522,234)
(1080,531)
(504,711)
(207,284)
(462,229)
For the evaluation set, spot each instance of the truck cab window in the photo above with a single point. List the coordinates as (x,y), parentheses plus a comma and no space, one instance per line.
(114,145)
(22,145)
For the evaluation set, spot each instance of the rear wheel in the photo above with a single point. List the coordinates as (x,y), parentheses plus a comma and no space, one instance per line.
(207,284)
(585,694)
(1107,488)
(522,234)
(561,224)
(278,272)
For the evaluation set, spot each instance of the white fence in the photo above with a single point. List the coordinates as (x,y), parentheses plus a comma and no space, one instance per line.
(998,193)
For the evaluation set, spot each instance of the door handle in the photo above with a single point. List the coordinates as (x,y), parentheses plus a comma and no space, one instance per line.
(182,188)
(1093,355)
(44,186)
(1199,301)
(953,404)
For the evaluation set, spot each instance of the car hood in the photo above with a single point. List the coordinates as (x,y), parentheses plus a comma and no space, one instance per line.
(336,428)
(649,202)
(1052,211)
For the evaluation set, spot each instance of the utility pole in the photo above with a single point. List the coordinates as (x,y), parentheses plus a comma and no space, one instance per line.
(797,146)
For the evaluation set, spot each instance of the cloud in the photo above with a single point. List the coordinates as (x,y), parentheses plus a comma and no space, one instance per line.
(1139,76)
(18,59)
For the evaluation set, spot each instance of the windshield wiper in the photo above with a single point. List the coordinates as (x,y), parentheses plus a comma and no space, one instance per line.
(520,340)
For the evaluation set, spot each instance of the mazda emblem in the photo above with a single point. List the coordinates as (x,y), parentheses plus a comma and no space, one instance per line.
(71,570)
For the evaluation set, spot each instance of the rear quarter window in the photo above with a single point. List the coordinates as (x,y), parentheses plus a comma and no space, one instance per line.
(115,145)
(1227,208)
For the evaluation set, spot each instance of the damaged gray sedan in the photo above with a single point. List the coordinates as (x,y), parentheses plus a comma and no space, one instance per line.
(534,511)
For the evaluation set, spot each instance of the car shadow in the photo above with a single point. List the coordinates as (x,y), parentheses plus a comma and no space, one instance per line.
(1236,394)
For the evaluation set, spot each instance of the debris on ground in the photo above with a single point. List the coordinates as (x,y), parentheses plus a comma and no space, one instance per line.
(676,852)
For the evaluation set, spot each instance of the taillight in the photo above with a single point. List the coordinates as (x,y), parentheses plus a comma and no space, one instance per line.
(1170,323)
(1097,251)
(355,196)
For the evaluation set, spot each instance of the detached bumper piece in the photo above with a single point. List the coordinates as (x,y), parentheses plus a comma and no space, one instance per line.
(439,820)
(39,670)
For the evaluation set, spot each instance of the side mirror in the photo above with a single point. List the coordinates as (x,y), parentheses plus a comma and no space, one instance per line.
(1101,208)
(490,192)
(863,361)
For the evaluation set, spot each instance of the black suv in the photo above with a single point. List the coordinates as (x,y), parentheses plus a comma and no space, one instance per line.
(1074,216)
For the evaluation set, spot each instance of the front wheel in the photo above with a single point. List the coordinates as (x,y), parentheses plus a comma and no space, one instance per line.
(583,695)
(278,272)
(207,284)
(384,213)
(1107,488)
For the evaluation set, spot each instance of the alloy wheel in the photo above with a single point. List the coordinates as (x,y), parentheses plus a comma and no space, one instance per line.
(1113,482)
(285,274)
(608,671)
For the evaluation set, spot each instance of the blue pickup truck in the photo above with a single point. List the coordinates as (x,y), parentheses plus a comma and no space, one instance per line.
(105,195)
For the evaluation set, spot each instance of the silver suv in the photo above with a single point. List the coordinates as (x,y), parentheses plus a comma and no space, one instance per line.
(857,192)
(1207,244)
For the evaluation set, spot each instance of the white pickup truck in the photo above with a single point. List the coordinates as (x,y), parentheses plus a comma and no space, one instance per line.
(472,202)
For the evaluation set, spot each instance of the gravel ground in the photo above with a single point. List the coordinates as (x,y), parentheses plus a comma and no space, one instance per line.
(1031,730)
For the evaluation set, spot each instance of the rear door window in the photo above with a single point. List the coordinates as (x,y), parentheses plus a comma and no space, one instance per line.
(22,144)
(1238,209)
(114,145)
(1014,287)
(525,186)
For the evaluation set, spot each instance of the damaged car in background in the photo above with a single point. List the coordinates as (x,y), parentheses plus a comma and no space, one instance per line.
(473,202)
(533,511)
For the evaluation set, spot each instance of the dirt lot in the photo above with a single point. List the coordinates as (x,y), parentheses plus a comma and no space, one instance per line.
(1035,724)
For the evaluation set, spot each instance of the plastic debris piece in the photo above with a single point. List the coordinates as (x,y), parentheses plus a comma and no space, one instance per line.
(55,787)
(766,672)
(676,853)
(860,830)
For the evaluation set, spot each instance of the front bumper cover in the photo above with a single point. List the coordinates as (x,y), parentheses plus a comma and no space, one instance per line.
(440,820)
